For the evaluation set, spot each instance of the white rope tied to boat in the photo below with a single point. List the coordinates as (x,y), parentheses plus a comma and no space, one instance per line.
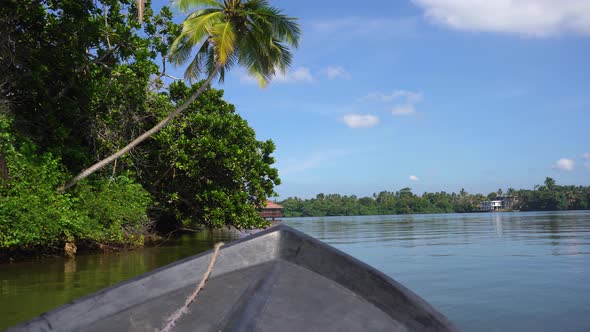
(171,322)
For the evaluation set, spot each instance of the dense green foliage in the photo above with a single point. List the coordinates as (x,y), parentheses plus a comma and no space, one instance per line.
(543,198)
(211,168)
(78,80)
(71,66)
(552,197)
(32,213)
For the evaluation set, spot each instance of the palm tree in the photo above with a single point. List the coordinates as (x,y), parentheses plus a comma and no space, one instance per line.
(249,33)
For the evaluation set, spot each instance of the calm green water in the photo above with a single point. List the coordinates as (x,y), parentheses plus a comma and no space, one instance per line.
(30,288)
(486,272)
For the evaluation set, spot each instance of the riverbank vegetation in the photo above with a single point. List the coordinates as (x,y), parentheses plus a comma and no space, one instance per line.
(79,80)
(546,197)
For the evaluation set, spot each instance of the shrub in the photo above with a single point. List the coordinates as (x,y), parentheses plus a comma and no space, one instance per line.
(33,213)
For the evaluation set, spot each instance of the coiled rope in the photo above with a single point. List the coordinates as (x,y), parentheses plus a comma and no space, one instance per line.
(171,322)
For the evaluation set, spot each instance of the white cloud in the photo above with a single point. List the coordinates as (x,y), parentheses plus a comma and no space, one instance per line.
(537,18)
(586,155)
(299,74)
(406,109)
(360,121)
(413,178)
(407,100)
(302,74)
(587,164)
(337,72)
(408,96)
(564,164)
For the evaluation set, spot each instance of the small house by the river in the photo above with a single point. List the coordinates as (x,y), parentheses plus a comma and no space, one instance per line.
(272,210)
(490,205)
(501,203)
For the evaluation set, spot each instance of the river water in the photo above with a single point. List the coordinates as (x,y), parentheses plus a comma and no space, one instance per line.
(486,271)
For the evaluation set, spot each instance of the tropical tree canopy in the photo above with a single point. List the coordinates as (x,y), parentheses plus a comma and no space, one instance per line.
(235,32)
(249,33)
(78,81)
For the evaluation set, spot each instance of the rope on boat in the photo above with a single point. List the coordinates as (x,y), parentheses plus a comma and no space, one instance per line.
(171,322)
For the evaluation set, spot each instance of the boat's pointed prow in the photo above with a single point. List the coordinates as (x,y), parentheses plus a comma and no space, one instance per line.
(276,280)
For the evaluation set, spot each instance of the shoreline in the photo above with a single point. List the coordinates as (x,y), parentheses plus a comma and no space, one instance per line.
(20,255)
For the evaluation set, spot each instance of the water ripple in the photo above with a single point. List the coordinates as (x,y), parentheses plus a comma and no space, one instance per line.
(487,271)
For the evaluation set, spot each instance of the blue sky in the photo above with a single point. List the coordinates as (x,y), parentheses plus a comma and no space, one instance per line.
(430,94)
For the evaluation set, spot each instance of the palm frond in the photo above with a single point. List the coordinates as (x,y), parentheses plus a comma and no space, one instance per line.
(198,24)
(195,68)
(281,54)
(180,50)
(232,61)
(224,40)
(256,56)
(194,31)
(185,5)
(250,33)
(211,61)
(284,27)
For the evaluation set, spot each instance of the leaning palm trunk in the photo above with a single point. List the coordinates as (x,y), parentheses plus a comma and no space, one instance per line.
(140,6)
(90,170)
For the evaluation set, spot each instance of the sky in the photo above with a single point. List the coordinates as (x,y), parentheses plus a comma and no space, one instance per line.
(428,94)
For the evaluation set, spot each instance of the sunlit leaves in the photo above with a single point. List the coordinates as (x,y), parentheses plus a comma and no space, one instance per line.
(185,5)
(250,33)
(224,41)
(219,172)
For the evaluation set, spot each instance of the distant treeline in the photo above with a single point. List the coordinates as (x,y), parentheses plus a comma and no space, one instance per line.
(547,197)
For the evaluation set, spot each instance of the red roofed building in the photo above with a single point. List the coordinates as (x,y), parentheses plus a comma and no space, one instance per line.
(272,210)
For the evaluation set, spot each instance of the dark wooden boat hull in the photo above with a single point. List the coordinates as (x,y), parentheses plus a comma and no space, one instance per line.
(277,280)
